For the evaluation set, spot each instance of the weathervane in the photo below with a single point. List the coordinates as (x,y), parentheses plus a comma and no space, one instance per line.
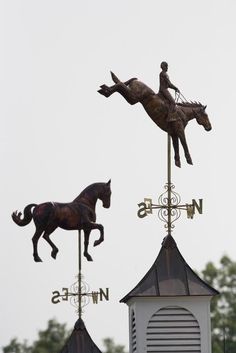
(77,215)
(169,203)
(172,117)
(79,292)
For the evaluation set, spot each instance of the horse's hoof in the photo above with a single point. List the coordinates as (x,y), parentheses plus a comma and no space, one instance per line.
(97,242)
(178,164)
(54,253)
(88,257)
(37,259)
(189,161)
(105,91)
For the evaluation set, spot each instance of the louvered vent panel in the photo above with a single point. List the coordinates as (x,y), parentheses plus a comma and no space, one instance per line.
(173,330)
(133,334)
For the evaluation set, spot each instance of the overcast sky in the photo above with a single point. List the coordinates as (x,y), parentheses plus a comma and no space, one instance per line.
(58,135)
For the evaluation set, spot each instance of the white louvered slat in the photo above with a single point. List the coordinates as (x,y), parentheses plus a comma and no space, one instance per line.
(173,335)
(173,330)
(178,330)
(166,317)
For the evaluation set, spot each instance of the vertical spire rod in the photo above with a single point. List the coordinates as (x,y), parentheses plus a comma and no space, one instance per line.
(169,182)
(79,275)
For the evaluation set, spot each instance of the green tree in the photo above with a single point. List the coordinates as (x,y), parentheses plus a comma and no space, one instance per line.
(111,347)
(50,340)
(16,347)
(223,306)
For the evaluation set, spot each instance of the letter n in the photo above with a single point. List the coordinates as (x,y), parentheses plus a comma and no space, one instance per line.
(104,294)
(198,206)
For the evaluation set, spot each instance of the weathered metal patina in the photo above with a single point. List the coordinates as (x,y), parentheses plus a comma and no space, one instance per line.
(76,215)
(135,91)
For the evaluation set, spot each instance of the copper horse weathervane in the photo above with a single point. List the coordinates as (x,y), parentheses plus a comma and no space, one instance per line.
(76,215)
(172,117)
(160,111)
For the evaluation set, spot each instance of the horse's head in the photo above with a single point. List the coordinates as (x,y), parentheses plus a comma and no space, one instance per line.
(105,194)
(202,118)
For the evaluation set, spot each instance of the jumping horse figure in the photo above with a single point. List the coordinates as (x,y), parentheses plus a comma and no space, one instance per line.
(135,91)
(76,215)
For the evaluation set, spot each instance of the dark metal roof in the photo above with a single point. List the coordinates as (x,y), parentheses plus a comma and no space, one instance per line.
(169,276)
(80,340)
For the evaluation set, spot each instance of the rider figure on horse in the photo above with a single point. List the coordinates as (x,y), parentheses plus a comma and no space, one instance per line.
(165,94)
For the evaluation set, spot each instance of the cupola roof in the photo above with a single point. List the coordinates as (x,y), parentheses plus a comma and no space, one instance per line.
(80,340)
(170,276)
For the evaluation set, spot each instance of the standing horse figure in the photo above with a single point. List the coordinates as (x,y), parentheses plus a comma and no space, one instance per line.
(76,215)
(135,91)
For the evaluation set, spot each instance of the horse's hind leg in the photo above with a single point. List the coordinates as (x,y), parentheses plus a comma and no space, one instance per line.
(121,88)
(127,93)
(35,239)
(86,243)
(46,236)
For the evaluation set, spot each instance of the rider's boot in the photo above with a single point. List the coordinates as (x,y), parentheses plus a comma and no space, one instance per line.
(172,114)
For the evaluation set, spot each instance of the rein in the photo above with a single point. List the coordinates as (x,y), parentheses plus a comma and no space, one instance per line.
(179,95)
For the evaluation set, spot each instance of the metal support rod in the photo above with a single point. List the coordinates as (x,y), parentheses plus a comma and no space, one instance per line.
(79,276)
(169,182)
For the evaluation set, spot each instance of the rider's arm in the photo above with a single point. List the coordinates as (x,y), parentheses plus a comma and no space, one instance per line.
(170,85)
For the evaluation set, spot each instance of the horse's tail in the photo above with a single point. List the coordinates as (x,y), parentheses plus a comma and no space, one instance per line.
(117,80)
(114,77)
(16,216)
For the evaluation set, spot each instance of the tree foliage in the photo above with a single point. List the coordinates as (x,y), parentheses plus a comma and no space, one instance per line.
(50,340)
(16,347)
(223,306)
(111,347)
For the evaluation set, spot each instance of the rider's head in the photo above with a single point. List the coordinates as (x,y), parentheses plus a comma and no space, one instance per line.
(164,66)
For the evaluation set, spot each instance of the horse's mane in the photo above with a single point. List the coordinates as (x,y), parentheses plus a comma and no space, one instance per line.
(190,104)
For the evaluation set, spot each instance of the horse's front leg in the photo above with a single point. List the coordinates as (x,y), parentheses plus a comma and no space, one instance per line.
(175,141)
(185,147)
(101,229)
(92,225)
(86,243)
